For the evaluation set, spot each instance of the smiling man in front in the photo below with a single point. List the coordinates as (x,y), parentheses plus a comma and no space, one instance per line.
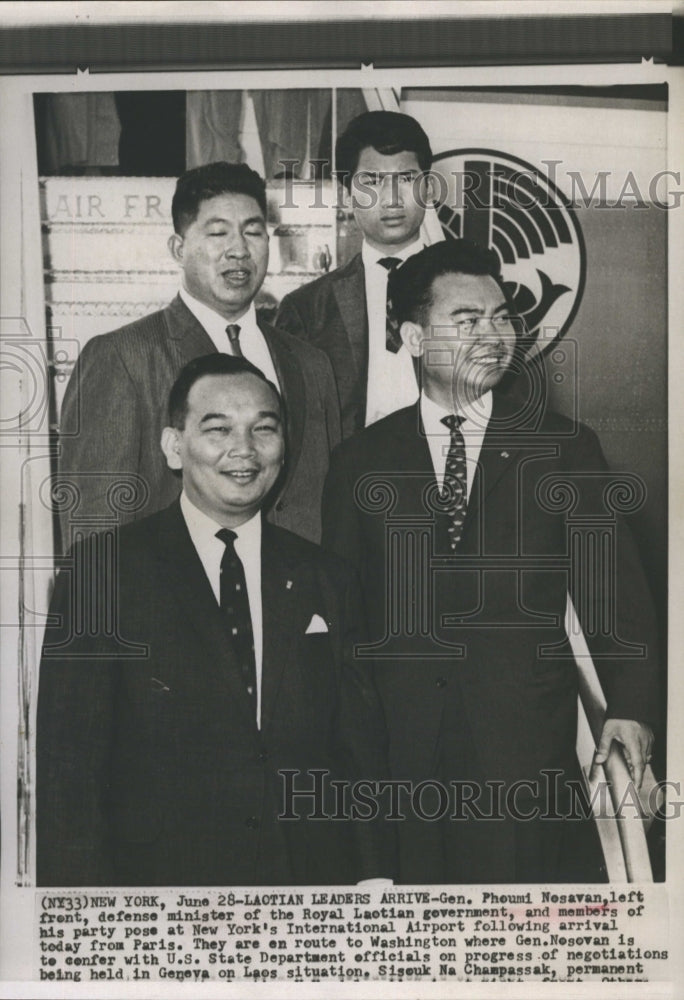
(450,511)
(231,658)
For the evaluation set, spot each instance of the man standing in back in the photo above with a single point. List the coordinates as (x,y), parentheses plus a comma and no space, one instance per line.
(383,159)
(114,406)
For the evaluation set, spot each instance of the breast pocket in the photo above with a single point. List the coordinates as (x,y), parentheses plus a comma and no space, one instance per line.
(315,651)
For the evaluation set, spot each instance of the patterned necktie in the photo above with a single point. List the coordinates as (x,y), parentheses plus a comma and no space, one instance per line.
(235,608)
(392,337)
(455,489)
(233,331)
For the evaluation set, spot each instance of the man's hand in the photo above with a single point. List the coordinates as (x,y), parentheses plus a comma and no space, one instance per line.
(637,742)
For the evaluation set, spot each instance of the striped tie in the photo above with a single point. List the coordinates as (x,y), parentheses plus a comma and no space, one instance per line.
(392,337)
(455,489)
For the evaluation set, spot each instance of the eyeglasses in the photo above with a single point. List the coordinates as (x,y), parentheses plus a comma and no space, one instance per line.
(465,327)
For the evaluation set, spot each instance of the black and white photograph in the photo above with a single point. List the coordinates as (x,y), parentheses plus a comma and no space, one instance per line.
(340,483)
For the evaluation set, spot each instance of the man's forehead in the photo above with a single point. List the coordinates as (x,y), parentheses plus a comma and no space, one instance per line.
(458,285)
(229,203)
(371,160)
(232,391)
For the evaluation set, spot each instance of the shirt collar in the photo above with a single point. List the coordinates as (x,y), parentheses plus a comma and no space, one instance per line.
(476,414)
(371,256)
(211,320)
(203,528)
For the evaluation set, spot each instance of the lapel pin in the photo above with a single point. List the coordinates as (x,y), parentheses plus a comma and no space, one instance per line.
(288,584)
(504,454)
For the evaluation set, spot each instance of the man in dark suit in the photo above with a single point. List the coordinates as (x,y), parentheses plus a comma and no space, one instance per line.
(382,159)
(454,512)
(113,409)
(222,653)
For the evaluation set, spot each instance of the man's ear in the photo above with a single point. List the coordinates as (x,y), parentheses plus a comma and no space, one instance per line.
(430,189)
(170,444)
(412,336)
(343,197)
(175,245)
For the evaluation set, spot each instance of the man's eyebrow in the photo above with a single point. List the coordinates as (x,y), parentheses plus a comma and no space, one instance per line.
(466,309)
(213,416)
(389,173)
(477,309)
(216,220)
(273,414)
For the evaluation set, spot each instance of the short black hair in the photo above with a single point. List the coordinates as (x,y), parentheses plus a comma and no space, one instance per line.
(208,364)
(410,286)
(202,183)
(387,132)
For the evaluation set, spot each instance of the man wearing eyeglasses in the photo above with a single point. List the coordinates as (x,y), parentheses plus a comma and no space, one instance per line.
(450,510)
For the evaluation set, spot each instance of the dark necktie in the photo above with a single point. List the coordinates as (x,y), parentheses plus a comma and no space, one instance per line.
(392,336)
(233,331)
(455,489)
(235,608)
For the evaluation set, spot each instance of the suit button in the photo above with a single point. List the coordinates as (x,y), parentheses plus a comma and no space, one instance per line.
(441,682)
(263,756)
(252,822)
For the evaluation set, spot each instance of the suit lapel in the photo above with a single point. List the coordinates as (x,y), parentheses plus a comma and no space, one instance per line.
(410,439)
(188,587)
(409,464)
(350,294)
(497,456)
(283,615)
(187,337)
(294,392)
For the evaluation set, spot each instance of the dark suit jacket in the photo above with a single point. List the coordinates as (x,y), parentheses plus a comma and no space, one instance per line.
(115,408)
(151,768)
(491,691)
(330,313)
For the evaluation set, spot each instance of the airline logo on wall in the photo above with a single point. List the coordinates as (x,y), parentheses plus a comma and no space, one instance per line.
(507,204)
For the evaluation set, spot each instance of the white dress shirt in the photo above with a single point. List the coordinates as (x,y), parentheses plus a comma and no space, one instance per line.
(210,549)
(391,379)
(252,341)
(473,428)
